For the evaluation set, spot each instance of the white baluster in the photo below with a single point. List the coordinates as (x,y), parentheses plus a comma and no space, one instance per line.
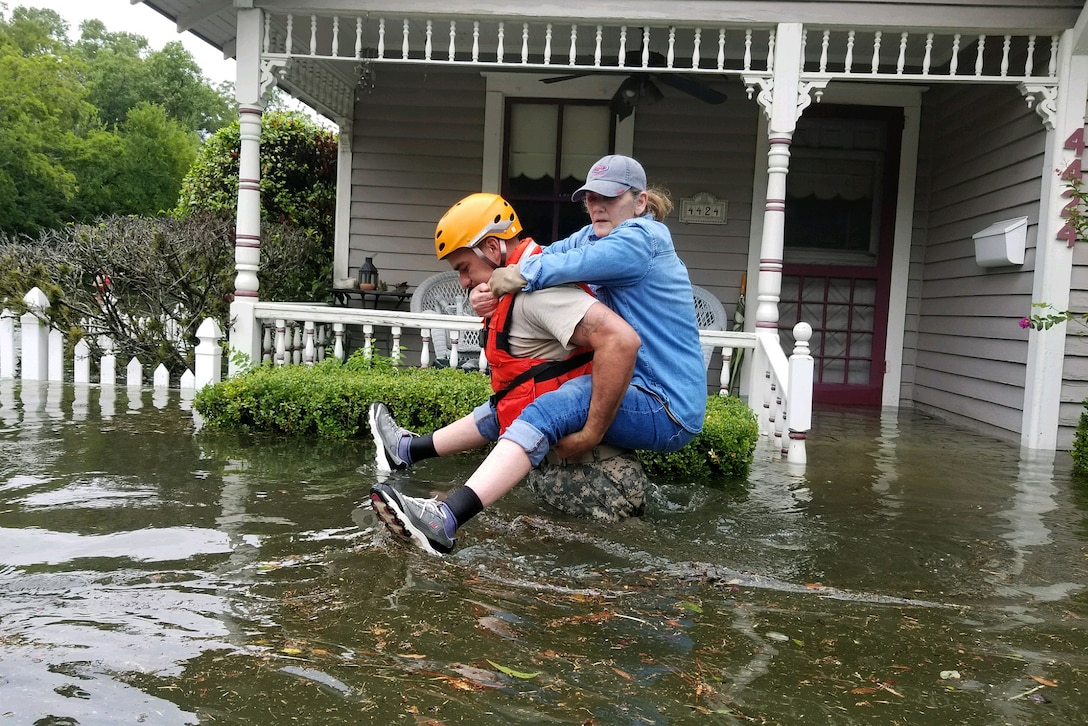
(296,347)
(954,61)
(308,354)
(394,351)
(823,50)
(597,50)
(281,342)
(723,379)
(335,36)
(404,41)
(849,50)
(622,60)
(368,342)
(572,55)
(313,35)
(427,46)
(1053,69)
(381,37)
(646,47)
(1005,55)
(978,54)
(1029,62)
(482,361)
(927,59)
(748,49)
(695,51)
(425,352)
(901,62)
(721,49)
(289,41)
(266,345)
(358,37)
(502,37)
(267,32)
(770,51)
(476,42)
(875,67)
(454,337)
(670,55)
(452,53)
(548,44)
(524,42)
(338,341)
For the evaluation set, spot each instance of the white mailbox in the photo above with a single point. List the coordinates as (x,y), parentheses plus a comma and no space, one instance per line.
(1002,243)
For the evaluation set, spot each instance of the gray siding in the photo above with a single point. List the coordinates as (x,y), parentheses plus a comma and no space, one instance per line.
(691,147)
(1075,368)
(981,159)
(417,149)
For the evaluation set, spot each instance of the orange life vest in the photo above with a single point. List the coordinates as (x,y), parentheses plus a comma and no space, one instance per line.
(517,382)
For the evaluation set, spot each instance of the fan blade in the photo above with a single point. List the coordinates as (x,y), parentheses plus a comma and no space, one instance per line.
(691,87)
(571,77)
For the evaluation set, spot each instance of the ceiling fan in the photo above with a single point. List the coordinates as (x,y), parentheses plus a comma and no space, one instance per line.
(638,88)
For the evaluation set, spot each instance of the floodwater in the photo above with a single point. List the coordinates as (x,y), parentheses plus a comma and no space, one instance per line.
(914,573)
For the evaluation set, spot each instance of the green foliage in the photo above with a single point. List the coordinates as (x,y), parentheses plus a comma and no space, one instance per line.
(102,126)
(1080,444)
(724,448)
(331,400)
(298,192)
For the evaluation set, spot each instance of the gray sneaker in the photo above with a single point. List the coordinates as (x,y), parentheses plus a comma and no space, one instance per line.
(412,519)
(387,438)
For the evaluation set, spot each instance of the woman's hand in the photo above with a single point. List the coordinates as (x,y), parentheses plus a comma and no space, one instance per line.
(482,300)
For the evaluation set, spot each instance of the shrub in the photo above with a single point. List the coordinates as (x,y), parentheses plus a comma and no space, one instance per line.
(724,448)
(331,400)
(1080,444)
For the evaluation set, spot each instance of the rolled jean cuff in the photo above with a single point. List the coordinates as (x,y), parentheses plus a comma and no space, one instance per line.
(529,438)
(487,422)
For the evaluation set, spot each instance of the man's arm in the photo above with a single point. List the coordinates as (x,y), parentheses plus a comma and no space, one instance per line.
(615,345)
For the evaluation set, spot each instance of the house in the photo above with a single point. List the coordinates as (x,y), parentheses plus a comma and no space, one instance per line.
(841,156)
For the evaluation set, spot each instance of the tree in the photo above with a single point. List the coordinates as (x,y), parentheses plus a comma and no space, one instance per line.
(298,191)
(78,136)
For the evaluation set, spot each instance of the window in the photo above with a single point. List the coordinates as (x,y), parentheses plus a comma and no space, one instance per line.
(551,144)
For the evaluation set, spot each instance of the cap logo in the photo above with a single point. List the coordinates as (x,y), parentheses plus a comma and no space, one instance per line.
(599,170)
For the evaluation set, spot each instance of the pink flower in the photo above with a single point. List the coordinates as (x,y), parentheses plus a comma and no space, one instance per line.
(1025,323)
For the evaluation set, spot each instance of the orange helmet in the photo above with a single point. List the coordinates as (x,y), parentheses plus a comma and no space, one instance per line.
(473,219)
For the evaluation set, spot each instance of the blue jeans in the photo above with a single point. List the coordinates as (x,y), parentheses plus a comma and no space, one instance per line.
(641,422)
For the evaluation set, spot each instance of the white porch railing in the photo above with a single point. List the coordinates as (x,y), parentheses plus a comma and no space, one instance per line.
(780,392)
(780,389)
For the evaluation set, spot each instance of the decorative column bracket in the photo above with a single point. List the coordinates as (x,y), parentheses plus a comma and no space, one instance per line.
(1044,99)
(807,92)
(272,69)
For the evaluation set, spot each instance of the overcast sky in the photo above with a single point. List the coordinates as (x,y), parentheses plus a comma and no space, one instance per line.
(123,16)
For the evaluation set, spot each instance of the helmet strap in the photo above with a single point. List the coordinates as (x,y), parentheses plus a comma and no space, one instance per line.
(502,254)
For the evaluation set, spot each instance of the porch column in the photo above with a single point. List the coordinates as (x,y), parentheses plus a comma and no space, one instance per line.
(1062,110)
(245,333)
(342,233)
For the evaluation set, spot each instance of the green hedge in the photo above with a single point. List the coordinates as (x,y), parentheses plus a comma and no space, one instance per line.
(331,400)
(1080,444)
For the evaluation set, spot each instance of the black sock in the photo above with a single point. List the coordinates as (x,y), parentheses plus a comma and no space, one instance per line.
(421,447)
(463,505)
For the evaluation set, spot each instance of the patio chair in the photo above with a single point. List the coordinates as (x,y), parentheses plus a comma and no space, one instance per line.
(709,315)
(442,293)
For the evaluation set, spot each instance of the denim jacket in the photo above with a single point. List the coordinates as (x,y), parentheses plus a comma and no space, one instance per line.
(636,272)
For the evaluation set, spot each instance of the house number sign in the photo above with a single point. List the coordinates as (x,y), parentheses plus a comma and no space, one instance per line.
(1072,173)
(704,208)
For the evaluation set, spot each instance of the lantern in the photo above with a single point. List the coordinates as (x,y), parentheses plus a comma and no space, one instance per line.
(368,275)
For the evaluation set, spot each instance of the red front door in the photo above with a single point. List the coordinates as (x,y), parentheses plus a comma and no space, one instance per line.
(840,218)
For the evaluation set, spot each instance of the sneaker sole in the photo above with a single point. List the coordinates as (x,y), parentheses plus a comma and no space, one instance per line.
(390,513)
(381,458)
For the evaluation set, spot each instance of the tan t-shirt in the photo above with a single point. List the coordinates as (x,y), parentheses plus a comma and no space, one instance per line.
(544,320)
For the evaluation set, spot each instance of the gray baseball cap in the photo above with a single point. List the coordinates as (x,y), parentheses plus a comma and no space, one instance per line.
(611,176)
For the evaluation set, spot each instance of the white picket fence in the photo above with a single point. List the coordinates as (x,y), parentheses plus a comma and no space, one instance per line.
(34,352)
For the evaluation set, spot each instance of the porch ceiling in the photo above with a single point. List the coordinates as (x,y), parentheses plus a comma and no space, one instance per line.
(324,46)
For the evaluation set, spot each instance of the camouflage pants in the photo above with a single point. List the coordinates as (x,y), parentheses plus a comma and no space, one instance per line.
(608,489)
